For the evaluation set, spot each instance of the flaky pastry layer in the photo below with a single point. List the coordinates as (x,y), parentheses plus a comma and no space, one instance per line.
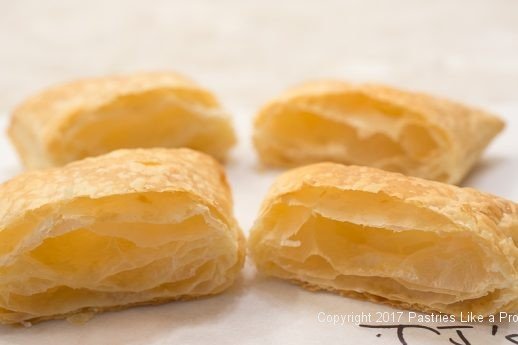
(128,228)
(389,238)
(373,125)
(93,116)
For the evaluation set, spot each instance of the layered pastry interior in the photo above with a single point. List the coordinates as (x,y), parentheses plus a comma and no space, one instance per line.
(380,248)
(351,129)
(151,119)
(157,118)
(113,252)
(373,125)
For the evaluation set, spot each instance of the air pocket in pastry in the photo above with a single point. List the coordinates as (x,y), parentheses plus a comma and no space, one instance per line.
(385,237)
(373,125)
(132,227)
(94,116)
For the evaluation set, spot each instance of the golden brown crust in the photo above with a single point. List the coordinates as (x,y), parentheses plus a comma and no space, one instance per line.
(464,131)
(328,190)
(119,173)
(462,205)
(54,106)
(39,123)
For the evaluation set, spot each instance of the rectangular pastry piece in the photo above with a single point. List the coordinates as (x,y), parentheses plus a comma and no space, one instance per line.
(94,116)
(373,125)
(389,238)
(131,227)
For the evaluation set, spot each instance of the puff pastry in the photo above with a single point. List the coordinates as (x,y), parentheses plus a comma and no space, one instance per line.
(389,238)
(131,227)
(373,125)
(94,116)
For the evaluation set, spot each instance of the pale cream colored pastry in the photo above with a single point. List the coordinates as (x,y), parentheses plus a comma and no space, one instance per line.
(131,227)
(94,116)
(373,125)
(389,238)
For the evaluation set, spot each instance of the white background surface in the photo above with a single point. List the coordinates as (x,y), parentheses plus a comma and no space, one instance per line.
(247,52)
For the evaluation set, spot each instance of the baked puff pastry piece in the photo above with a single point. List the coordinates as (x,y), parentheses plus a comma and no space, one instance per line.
(385,237)
(132,227)
(373,125)
(94,116)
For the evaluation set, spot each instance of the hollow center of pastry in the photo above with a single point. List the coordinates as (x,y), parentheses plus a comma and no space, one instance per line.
(364,251)
(119,259)
(152,119)
(350,133)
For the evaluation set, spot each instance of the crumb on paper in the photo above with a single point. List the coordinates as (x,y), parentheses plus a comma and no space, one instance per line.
(80,318)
